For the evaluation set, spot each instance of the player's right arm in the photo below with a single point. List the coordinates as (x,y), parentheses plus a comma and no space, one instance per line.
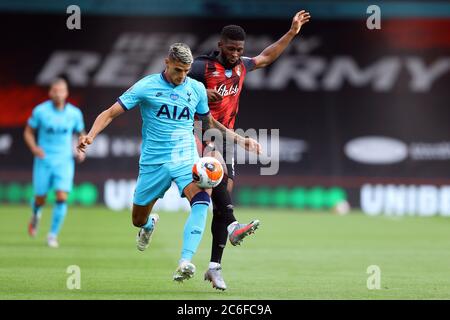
(29,134)
(30,139)
(126,101)
(100,123)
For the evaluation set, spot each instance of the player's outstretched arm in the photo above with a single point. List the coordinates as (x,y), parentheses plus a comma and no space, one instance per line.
(100,123)
(272,52)
(247,143)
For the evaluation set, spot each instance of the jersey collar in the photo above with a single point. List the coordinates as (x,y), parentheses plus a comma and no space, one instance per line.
(170,83)
(56,108)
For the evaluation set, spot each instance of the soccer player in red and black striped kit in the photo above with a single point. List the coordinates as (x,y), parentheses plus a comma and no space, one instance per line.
(223,73)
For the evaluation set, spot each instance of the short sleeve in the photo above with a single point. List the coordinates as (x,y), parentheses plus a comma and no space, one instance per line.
(33,121)
(198,70)
(202,108)
(133,96)
(249,63)
(79,125)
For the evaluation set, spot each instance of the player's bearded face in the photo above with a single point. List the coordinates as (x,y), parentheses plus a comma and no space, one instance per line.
(231,50)
(176,71)
(59,93)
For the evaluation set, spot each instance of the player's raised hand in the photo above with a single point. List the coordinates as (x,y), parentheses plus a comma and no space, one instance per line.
(299,20)
(83,142)
(213,95)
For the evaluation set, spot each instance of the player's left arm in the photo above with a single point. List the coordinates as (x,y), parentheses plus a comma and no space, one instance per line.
(247,143)
(208,122)
(272,52)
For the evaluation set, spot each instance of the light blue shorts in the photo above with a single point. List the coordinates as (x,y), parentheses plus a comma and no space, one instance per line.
(155,180)
(52,175)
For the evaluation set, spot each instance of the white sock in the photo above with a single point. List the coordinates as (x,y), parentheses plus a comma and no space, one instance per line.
(213,265)
(231,225)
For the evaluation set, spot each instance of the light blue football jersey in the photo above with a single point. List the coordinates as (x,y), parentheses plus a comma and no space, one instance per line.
(55,129)
(167,117)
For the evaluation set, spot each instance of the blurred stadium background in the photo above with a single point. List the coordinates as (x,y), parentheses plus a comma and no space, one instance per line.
(363,114)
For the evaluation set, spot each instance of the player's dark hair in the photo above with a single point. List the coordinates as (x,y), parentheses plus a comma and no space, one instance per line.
(58,80)
(233,32)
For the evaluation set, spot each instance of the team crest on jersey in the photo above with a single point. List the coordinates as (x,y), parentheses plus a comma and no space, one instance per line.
(228,73)
(174,96)
(238,70)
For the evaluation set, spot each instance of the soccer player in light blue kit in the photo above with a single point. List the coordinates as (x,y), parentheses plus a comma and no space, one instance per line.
(168,102)
(54,121)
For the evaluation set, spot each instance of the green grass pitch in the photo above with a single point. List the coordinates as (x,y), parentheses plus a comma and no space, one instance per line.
(294,255)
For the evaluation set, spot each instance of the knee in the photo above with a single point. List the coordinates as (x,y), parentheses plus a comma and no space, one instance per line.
(222,203)
(61,196)
(224,211)
(39,201)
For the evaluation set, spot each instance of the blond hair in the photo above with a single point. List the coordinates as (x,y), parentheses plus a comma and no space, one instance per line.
(181,52)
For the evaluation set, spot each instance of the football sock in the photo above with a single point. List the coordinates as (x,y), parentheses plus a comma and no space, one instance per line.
(149,225)
(195,225)
(213,265)
(219,236)
(223,215)
(59,213)
(36,209)
(222,201)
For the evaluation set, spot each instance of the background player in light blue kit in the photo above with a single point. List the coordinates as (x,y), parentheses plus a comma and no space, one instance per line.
(168,102)
(54,121)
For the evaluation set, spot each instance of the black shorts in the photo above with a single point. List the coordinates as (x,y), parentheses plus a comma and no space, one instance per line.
(227,152)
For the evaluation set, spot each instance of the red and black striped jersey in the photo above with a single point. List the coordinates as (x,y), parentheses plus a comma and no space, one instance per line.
(228,82)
